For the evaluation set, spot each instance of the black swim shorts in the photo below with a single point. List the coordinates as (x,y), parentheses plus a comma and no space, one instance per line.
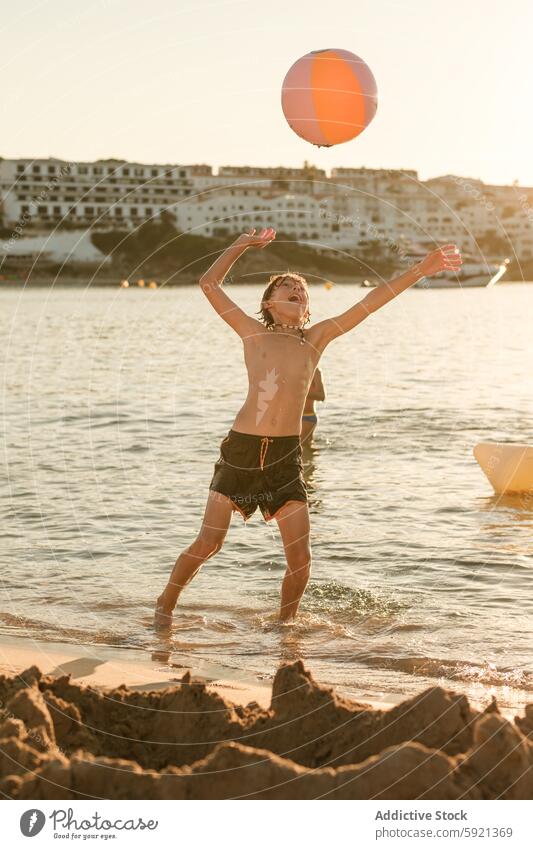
(259,471)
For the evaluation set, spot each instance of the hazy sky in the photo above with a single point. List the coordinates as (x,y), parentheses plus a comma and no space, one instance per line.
(195,81)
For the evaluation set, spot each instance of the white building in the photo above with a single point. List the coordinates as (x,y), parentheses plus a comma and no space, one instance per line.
(60,246)
(106,193)
(225,211)
(307,180)
(347,210)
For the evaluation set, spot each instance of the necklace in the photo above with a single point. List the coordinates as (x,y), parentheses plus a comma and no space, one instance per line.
(290,327)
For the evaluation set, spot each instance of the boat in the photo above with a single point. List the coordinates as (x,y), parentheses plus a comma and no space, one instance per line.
(507,465)
(472,273)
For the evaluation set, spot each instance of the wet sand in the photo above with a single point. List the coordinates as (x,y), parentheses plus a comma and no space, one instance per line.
(107,727)
(106,667)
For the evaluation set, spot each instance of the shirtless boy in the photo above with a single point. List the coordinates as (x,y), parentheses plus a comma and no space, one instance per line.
(260,459)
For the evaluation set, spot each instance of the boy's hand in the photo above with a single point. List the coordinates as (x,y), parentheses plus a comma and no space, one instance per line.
(446,258)
(259,240)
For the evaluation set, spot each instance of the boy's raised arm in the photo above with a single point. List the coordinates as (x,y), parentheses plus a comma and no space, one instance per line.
(211,281)
(442,259)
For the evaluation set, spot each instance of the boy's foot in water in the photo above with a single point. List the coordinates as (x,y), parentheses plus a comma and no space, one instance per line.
(162,614)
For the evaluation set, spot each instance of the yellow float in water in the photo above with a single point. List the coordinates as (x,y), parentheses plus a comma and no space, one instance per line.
(152,284)
(124,284)
(507,465)
(140,283)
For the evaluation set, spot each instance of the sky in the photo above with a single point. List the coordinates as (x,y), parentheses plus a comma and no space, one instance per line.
(199,81)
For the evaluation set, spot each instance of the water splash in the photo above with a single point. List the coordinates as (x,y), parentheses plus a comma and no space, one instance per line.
(485,673)
(342,602)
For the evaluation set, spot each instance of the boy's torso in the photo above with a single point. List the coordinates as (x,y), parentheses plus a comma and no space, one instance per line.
(280,370)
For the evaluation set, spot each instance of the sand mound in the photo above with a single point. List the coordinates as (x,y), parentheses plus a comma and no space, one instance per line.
(68,741)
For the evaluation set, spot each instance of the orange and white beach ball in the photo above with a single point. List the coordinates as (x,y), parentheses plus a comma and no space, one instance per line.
(329,97)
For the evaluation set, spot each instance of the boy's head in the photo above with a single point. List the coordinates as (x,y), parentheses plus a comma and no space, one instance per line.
(285,300)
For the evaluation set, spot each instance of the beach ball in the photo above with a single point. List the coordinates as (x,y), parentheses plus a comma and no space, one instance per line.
(329,97)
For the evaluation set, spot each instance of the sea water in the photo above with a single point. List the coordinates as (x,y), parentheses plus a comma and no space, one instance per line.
(114,403)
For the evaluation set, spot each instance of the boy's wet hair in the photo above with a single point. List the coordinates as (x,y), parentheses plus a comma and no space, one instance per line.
(266,315)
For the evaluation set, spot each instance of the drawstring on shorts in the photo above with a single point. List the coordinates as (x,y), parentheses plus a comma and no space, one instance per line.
(263,451)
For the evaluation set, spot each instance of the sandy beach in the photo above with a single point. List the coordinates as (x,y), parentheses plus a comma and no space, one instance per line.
(79,723)
(106,667)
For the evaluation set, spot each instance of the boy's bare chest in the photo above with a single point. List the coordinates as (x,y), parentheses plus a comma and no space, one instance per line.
(286,355)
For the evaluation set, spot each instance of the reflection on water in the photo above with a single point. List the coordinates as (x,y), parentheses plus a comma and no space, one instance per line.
(503,511)
(115,403)
(520,503)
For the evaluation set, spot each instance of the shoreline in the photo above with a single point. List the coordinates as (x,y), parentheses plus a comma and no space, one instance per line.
(114,283)
(107,667)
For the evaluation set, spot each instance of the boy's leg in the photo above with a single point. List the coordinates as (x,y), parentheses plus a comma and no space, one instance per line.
(293,523)
(217,518)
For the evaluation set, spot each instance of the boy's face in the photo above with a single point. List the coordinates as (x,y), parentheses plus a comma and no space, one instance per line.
(289,302)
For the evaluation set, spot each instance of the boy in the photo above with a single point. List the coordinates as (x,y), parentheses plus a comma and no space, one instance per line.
(260,459)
